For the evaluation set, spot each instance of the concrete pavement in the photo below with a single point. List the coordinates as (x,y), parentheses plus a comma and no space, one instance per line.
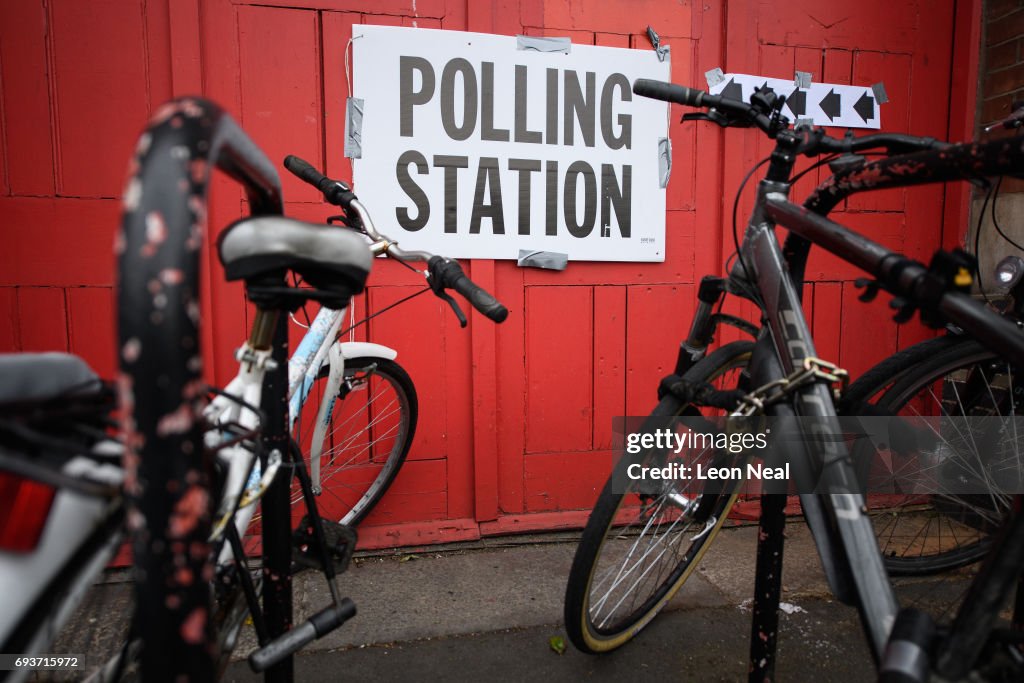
(487,611)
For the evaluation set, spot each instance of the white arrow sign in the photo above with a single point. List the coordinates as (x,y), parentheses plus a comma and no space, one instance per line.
(825,104)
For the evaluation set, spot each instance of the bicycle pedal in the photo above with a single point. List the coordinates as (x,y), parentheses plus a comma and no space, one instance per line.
(340,539)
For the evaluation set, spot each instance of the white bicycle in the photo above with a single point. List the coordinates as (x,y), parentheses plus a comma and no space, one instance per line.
(196,459)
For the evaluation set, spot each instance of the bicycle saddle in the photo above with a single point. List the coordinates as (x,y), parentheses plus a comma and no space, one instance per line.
(262,248)
(36,377)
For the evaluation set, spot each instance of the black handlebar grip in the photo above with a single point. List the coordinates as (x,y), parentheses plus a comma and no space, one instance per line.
(334,191)
(669,92)
(451,275)
(304,170)
(481,299)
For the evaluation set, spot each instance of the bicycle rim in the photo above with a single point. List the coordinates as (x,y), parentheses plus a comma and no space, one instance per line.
(928,534)
(639,546)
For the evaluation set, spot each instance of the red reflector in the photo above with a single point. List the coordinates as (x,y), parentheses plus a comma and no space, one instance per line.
(24,507)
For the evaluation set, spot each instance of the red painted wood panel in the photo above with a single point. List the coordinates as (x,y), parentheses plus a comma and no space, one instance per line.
(515,420)
(837,24)
(565,481)
(9,320)
(92,330)
(64,242)
(42,319)
(280,88)
(185,47)
(657,319)
(893,71)
(827,320)
(28,132)
(100,83)
(609,368)
(418,493)
(411,8)
(559,368)
(868,333)
(511,368)
(669,18)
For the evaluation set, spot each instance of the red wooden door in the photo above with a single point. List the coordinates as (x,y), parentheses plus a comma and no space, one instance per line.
(515,420)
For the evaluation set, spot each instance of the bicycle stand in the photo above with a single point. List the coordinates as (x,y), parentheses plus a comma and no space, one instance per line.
(764,628)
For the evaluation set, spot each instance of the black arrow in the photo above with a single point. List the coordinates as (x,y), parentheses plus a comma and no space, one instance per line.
(765,89)
(797,102)
(732,90)
(865,107)
(830,104)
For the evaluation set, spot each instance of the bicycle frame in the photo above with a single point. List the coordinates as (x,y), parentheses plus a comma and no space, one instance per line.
(842,531)
(245,479)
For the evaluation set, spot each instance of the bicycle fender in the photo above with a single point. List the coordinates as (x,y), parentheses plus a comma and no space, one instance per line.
(365,349)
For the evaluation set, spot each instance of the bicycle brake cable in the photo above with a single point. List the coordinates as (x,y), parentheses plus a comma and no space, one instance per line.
(735,211)
(386,308)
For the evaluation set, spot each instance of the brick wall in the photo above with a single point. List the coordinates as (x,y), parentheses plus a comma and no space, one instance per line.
(1000,83)
(1002,59)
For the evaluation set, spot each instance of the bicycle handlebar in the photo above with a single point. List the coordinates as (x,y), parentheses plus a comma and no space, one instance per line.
(442,273)
(334,191)
(814,140)
(448,273)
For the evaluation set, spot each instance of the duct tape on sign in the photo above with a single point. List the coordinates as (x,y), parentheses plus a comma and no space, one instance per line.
(824,104)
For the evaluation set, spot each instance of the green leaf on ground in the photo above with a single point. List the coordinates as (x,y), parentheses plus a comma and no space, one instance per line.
(557,644)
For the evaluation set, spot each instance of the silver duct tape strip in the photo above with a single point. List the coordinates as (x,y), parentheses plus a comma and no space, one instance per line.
(664,161)
(804,122)
(661,50)
(563,45)
(880,95)
(802,79)
(354,128)
(548,260)
(714,77)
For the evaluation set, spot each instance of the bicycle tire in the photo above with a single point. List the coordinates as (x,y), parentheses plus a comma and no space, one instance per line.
(365,374)
(594,638)
(896,386)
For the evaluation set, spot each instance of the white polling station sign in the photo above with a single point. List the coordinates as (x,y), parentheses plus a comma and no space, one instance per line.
(826,104)
(476,146)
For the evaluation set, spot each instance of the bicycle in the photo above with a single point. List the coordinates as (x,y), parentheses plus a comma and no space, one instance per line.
(781,377)
(350,367)
(61,508)
(197,460)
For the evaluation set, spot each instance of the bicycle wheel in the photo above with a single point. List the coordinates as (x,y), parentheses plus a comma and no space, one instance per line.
(945,377)
(368,436)
(640,546)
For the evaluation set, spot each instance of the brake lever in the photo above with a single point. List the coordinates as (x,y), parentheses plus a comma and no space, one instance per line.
(455,307)
(717,117)
(437,286)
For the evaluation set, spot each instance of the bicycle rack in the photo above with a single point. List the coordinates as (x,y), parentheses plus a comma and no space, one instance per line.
(764,629)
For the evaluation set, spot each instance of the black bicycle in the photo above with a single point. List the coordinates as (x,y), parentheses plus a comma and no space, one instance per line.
(643,540)
(199,459)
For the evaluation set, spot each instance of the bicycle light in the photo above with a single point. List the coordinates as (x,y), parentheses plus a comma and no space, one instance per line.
(1009,272)
(24,509)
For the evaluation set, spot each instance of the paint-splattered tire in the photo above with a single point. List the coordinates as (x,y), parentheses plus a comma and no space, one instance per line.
(640,545)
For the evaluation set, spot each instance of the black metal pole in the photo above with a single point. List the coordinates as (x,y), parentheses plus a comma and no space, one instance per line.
(277,509)
(764,629)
